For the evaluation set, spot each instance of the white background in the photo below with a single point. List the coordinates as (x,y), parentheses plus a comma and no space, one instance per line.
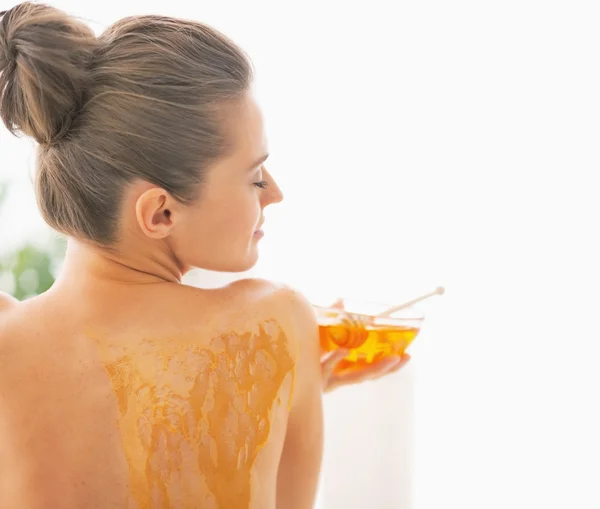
(422,144)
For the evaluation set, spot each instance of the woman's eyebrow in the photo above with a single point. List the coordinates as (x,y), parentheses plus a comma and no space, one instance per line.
(258,162)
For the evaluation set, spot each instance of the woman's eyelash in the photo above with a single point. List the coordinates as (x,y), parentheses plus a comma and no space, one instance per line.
(262,184)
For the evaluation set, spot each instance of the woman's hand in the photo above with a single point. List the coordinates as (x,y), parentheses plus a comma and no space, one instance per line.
(376,370)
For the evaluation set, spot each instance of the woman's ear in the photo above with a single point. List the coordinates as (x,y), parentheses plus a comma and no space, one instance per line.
(154,213)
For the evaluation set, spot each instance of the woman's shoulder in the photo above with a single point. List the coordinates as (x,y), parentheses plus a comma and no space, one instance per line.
(9,339)
(7,302)
(284,302)
(255,300)
(292,311)
(252,294)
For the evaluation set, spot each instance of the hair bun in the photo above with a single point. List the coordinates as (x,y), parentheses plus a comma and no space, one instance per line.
(8,55)
(44,70)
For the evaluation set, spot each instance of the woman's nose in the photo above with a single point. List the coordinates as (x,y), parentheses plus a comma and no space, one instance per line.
(277,195)
(273,194)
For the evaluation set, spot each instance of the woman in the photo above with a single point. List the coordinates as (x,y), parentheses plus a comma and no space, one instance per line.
(121,387)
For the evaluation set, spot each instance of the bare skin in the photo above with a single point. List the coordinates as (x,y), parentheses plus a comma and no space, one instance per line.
(383,367)
(63,440)
(121,387)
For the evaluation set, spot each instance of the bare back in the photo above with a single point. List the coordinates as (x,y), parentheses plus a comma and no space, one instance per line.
(161,397)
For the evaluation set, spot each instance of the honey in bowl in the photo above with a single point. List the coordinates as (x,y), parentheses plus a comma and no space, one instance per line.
(368,337)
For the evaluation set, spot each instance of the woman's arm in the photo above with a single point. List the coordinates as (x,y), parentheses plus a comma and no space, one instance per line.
(300,463)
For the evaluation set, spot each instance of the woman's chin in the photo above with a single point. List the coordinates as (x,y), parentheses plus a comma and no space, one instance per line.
(233,266)
(250,262)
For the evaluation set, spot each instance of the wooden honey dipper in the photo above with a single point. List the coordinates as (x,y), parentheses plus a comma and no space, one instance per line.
(438,291)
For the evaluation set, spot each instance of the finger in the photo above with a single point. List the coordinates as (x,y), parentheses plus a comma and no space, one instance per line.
(379,368)
(354,375)
(372,372)
(346,378)
(329,362)
(338,304)
(402,362)
(334,355)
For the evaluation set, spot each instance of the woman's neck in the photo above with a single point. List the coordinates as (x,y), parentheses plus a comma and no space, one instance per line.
(125,265)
